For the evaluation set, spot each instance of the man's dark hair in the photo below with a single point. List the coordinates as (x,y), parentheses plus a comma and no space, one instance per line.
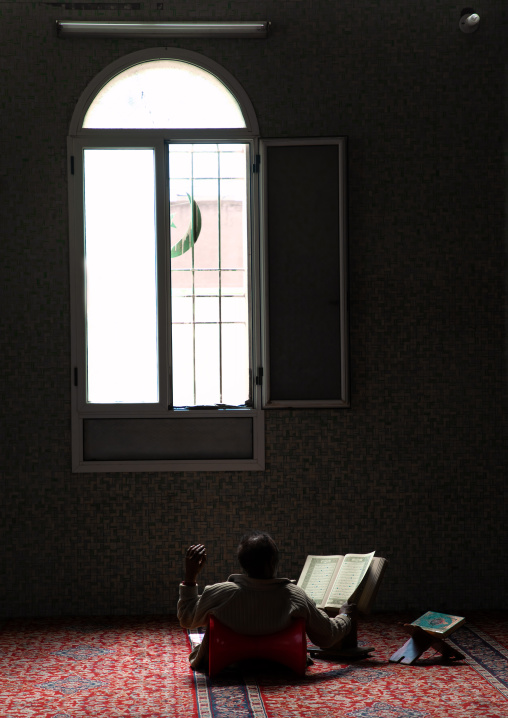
(258,554)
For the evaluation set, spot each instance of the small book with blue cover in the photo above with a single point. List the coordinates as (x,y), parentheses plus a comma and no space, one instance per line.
(439,624)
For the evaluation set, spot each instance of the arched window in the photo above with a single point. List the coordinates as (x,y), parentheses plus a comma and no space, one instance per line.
(164,94)
(183,224)
(164,268)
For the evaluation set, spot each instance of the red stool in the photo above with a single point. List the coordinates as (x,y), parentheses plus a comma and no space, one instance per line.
(288,646)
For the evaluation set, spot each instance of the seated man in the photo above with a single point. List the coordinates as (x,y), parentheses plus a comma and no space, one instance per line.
(255,602)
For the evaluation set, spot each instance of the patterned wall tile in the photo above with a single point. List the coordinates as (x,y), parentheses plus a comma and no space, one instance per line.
(416,468)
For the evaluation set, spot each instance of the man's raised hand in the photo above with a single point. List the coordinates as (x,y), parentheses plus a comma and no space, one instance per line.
(195,559)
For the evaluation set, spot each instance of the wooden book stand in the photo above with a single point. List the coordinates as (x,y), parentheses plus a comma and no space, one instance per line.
(419,642)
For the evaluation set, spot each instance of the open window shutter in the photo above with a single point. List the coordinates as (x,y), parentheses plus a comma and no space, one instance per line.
(304,270)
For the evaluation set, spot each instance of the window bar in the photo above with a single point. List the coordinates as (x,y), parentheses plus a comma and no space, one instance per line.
(170,370)
(219,236)
(193,275)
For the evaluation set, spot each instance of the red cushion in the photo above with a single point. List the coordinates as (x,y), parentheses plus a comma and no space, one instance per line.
(288,646)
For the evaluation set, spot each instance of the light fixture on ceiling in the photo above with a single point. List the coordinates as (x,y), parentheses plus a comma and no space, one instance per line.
(107,28)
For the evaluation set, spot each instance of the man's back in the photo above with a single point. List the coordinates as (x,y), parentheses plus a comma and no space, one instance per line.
(257,607)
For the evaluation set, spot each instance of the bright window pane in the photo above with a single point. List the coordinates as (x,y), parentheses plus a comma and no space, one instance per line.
(183,364)
(208,273)
(207,309)
(181,307)
(207,337)
(121,285)
(181,165)
(205,165)
(164,94)
(234,357)
(233,309)
(232,164)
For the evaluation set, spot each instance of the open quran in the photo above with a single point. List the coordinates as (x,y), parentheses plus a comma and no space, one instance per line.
(332,581)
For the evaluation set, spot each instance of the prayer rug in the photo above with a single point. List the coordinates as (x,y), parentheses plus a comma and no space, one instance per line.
(97,668)
(476,687)
(138,668)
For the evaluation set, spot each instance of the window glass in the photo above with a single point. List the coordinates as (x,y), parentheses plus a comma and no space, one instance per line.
(209,299)
(164,94)
(120,276)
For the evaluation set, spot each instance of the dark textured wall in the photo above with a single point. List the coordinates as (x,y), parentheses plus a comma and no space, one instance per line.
(416,469)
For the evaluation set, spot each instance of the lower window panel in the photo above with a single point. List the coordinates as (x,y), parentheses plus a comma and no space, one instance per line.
(168,439)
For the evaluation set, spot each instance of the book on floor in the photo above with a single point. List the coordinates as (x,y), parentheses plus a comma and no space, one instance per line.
(332,581)
(195,637)
(439,624)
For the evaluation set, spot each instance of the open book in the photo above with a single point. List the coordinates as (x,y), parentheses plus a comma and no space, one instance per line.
(332,580)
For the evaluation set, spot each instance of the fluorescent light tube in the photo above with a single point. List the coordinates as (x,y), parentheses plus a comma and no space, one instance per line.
(93,28)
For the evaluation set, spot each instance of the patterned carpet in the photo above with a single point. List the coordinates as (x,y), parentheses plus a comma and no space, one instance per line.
(138,668)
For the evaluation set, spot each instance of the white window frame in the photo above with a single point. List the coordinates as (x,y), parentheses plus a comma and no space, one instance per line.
(79,139)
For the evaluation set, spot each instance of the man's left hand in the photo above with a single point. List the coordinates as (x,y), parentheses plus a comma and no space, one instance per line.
(349,609)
